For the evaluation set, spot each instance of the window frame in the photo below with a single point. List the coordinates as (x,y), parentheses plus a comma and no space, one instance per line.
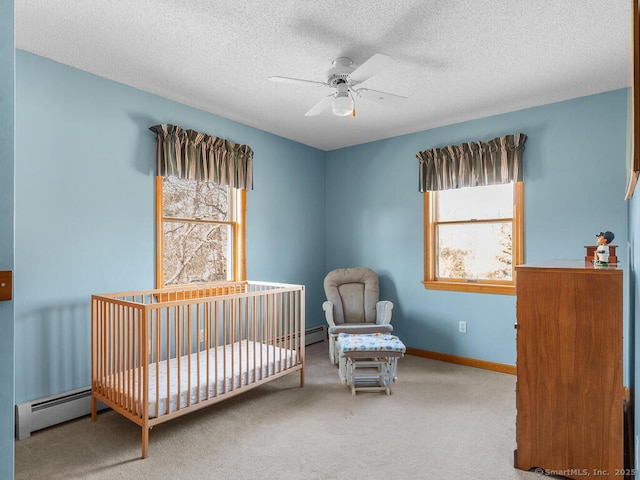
(431,281)
(238,206)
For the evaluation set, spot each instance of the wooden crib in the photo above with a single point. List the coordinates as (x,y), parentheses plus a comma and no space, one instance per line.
(159,354)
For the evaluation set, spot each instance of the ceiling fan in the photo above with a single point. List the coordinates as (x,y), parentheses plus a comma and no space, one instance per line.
(343,77)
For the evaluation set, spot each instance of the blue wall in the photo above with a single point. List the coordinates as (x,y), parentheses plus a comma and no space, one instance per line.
(574,188)
(7,69)
(85,210)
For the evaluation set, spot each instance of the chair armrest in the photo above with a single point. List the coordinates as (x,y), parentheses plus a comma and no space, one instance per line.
(383,312)
(328,313)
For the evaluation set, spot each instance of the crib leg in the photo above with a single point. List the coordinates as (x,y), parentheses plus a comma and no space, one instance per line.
(94,409)
(145,442)
(302,377)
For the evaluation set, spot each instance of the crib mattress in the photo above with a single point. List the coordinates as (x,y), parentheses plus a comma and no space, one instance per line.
(230,367)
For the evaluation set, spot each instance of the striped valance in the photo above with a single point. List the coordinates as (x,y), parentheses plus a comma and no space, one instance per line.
(472,164)
(197,156)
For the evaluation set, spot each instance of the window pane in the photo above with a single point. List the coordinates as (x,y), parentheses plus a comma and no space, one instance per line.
(475,251)
(196,253)
(494,201)
(192,199)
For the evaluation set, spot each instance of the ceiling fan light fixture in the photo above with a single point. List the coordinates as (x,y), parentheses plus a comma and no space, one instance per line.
(342,105)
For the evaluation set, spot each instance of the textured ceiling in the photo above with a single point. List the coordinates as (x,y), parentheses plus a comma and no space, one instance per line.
(454,59)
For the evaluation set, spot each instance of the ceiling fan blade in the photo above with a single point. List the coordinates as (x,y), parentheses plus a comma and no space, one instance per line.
(369,68)
(382,98)
(319,107)
(298,81)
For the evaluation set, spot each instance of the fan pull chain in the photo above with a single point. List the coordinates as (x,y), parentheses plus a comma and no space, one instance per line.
(353,102)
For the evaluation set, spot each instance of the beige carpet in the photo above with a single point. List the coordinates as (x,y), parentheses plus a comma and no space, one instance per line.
(442,421)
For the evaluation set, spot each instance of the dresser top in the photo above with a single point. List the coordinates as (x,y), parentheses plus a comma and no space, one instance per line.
(571,265)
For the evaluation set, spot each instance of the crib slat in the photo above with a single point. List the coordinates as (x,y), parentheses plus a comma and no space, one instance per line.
(118,349)
(216,333)
(188,340)
(141,340)
(206,346)
(254,323)
(178,350)
(168,314)
(197,351)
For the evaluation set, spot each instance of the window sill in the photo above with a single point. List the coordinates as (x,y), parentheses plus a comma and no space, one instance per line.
(470,287)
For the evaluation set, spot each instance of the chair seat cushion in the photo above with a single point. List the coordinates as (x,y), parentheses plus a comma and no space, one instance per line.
(360,329)
(369,343)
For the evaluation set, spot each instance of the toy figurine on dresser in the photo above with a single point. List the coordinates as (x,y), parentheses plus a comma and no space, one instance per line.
(601,255)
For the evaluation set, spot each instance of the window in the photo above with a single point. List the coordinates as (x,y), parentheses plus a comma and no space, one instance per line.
(474,238)
(200,232)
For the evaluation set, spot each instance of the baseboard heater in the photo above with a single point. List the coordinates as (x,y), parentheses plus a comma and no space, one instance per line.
(49,411)
(315,335)
(312,335)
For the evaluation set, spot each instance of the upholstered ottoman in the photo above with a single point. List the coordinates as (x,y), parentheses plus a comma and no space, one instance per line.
(369,361)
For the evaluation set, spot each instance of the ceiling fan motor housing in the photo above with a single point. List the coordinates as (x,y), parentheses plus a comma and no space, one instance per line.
(342,88)
(340,72)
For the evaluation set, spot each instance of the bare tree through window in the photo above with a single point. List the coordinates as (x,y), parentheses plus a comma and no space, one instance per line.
(197,232)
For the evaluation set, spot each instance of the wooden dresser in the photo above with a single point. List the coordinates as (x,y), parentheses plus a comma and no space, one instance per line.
(569,392)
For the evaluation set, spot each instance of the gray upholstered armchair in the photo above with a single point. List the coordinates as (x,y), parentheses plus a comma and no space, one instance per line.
(352,305)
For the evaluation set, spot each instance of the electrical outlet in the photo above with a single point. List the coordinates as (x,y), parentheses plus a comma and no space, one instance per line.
(462,326)
(201,336)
